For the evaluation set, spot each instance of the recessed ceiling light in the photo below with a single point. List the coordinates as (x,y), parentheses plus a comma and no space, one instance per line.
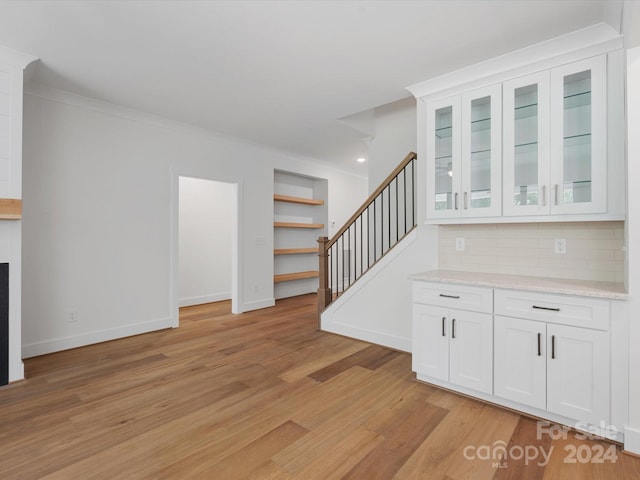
(361,160)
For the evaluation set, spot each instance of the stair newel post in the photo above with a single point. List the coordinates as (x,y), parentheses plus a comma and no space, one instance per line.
(324,292)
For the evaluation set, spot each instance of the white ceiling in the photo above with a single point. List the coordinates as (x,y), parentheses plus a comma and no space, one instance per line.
(280,73)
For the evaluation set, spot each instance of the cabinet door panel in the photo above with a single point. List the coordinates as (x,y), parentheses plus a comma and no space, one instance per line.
(577,373)
(471,350)
(526,145)
(443,158)
(430,340)
(578,137)
(481,160)
(520,361)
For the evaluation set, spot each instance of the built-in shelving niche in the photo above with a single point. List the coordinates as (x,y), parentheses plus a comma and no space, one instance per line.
(300,217)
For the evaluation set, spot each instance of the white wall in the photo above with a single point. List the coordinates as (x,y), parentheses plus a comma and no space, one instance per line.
(100,216)
(205,240)
(394,137)
(632,433)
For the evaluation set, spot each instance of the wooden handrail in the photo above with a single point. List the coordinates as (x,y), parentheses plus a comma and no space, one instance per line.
(409,158)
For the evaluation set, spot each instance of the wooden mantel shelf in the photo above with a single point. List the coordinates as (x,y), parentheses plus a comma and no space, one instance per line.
(304,201)
(10,209)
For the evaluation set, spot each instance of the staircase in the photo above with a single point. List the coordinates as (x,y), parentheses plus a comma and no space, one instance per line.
(383,220)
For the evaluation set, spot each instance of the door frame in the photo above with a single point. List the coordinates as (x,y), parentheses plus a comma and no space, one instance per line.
(236,238)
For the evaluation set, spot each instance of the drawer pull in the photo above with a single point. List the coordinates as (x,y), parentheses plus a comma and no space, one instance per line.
(539,344)
(551,309)
(453,328)
(444,319)
(553,346)
(450,296)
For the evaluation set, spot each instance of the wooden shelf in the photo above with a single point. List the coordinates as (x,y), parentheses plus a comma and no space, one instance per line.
(297,225)
(10,209)
(285,277)
(294,251)
(304,201)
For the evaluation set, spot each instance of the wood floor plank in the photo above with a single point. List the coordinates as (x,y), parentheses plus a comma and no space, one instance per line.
(370,357)
(241,463)
(262,395)
(415,421)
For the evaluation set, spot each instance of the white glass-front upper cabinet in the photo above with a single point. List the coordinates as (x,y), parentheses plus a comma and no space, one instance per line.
(464,155)
(443,158)
(578,137)
(526,145)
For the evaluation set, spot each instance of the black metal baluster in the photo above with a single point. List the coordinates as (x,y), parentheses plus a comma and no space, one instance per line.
(397,219)
(404,173)
(413,195)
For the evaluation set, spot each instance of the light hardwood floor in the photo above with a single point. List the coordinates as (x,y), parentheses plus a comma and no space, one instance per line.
(261,395)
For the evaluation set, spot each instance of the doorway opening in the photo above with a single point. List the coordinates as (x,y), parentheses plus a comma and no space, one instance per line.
(206,241)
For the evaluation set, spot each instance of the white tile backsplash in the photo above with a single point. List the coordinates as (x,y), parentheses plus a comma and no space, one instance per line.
(594,249)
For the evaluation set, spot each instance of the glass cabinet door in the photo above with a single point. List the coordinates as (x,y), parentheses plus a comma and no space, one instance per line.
(481,152)
(443,156)
(578,121)
(526,145)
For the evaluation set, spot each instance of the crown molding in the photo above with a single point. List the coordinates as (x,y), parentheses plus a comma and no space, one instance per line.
(589,41)
(14,58)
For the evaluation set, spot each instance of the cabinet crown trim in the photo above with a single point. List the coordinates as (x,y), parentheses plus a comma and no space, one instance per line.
(587,42)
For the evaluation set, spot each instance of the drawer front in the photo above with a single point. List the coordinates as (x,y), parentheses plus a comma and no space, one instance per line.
(453,296)
(560,309)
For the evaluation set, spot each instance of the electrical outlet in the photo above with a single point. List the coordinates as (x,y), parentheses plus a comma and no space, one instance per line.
(460,244)
(72,316)
(560,245)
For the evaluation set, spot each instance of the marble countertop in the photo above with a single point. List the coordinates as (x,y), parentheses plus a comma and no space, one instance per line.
(563,286)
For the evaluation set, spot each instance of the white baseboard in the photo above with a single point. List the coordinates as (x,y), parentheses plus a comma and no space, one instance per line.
(379,338)
(199,300)
(258,304)
(632,440)
(89,338)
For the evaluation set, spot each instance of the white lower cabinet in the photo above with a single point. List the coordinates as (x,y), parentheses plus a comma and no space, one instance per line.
(557,368)
(520,367)
(578,373)
(453,345)
(547,355)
